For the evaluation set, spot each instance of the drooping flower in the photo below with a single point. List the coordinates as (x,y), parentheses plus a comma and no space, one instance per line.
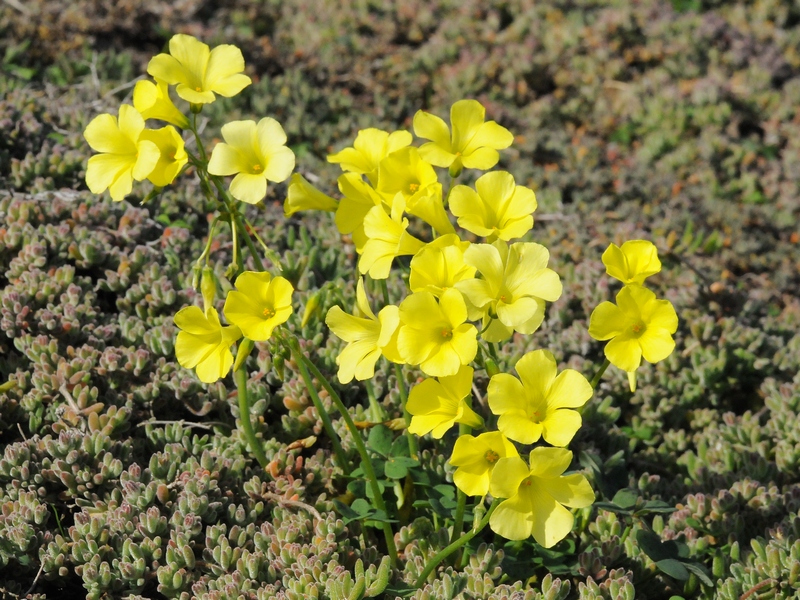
(173,154)
(473,143)
(476,457)
(440,265)
(199,72)
(387,238)
(514,287)
(204,344)
(371,146)
(358,198)
(259,304)
(499,209)
(435,335)
(404,173)
(254,153)
(633,262)
(438,405)
(125,155)
(304,196)
(536,496)
(367,336)
(539,403)
(638,325)
(153,102)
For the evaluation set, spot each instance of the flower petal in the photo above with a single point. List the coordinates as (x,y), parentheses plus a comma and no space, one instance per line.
(624,352)
(560,426)
(249,188)
(607,321)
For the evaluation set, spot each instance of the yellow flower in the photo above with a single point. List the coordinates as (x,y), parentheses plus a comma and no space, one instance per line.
(476,457)
(516,283)
(204,343)
(638,326)
(440,265)
(500,208)
(173,155)
(259,304)
(540,404)
(255,153)
(536,496)
(125,154)
(404,173)
(368,336)
(153,101)
(634,262)
(304,196)
(438,405)
(387,238)
(472,144)
(359,197)
(198,72)
(369,149)
(435,335)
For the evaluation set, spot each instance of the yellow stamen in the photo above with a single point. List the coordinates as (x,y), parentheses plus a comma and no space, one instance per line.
(257,168)
(491,456)
(413,187)
(198,89)
(447,334)
(268,312)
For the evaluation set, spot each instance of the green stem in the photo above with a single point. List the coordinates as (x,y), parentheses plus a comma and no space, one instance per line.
(240,377)
(413,448)
(461,505)
(341,458)
(625,534)
(434,562)
(366,461)
(599,374)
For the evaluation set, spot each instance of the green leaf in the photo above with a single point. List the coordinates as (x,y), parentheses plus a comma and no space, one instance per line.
(625,498)
(348,514)
(658,507)
(397,467)
(652,546)
(400,447)
(380,440)
(701,571)
(361,507)
(611,507)
(674,568)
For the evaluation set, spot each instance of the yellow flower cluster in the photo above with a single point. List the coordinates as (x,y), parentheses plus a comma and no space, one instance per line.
(253,152)
(638,325)
(461,295)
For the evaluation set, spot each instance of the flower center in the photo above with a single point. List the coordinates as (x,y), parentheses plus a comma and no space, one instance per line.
(491,456)
(268,312)
(447,334)
(198,89)
(638,328)
(413,187)
(257,168)
(527,481)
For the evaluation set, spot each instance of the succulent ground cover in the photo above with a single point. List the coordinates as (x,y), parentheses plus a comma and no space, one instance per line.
(124,476)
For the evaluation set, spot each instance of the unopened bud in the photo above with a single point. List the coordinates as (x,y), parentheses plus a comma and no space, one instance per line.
(242,352)
(311,307)
(491,367)
(208,287)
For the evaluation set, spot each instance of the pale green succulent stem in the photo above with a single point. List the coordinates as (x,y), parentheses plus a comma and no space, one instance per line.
(338,451)
(366,461)
(438,558)
(599,375)
(240,377)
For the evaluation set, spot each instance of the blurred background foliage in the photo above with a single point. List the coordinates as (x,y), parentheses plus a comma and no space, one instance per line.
(672,121)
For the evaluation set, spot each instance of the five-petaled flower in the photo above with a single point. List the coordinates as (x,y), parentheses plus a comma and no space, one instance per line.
(638,325)
(438,405)
(633,262)
(203,343)
(199,72)
(259,304)
(475,458)
(367,336)
(473,143)
(254,153)
(540,403)
(537,496)
(125,154)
